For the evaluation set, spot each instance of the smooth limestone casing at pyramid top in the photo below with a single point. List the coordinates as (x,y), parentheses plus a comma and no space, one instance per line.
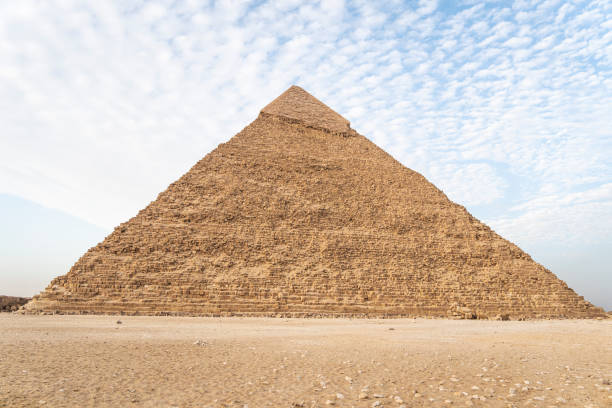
(299,215)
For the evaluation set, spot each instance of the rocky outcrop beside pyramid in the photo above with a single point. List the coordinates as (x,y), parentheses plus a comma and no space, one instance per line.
(12,303)
(298,215)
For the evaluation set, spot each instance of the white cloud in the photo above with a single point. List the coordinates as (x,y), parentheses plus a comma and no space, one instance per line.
(458,182)
(560,221)
(517,42)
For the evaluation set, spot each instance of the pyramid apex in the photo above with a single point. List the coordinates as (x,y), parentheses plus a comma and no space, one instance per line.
(297,104)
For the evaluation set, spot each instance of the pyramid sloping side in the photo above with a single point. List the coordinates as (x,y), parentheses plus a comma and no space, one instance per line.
(288,220)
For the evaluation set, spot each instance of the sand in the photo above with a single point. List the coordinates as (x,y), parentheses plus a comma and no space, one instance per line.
(67,361)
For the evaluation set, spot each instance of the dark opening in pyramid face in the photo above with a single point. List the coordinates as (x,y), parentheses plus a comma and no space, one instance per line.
(291,218)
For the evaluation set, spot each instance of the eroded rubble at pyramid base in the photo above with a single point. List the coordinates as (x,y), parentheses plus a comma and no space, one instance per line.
(254,308)
(12,303)
(297,315)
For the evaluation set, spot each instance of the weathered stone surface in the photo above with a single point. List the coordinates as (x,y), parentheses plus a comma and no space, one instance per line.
(298,105)
(298,215)
(12,303)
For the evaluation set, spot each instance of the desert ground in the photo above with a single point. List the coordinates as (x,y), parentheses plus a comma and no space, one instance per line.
(69,361)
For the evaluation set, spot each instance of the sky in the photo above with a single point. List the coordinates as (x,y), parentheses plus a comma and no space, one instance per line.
(505,106)
(38,244)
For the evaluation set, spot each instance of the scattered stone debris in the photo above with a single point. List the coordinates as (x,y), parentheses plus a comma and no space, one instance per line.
(200,343)
(12,303)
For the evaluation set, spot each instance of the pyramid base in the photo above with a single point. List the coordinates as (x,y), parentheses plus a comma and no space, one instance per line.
(309,311)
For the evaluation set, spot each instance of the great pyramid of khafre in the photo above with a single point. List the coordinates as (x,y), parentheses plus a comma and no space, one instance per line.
(299,215)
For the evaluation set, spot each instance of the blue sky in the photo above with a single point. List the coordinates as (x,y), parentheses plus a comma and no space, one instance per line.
(38,244)
(506,106)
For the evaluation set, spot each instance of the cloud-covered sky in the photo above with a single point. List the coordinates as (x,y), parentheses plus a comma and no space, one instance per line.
(506,106)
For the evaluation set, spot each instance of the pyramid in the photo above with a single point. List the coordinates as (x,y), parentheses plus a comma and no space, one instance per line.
(299,215)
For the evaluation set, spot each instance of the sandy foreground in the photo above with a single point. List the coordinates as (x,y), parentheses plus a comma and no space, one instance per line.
(72,361)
